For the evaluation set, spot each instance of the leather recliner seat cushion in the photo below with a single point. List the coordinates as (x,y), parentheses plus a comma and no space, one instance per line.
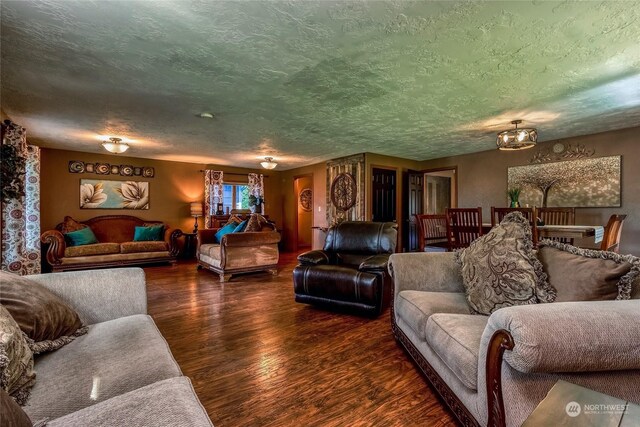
(336,283)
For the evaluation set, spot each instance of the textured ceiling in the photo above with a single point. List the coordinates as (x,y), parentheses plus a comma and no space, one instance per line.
(308,81)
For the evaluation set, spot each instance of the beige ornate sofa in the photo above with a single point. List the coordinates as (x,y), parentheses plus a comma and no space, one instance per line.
(238,252)
(494,370)
(115,248)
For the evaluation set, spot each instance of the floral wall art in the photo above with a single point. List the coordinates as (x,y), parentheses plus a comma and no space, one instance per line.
(104,194)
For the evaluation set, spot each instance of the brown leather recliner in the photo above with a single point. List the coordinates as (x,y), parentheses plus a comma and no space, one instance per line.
(351,271)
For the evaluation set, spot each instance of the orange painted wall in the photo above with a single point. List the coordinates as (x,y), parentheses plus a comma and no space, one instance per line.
(305,218)
(175,185)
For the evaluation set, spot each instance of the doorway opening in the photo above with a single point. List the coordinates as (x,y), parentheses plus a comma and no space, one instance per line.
(440,190)
(383,197)
(303,194)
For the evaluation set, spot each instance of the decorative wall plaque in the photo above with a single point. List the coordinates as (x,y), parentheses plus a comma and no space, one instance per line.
(77,166)
(561,151)
(306,199)
(344,191)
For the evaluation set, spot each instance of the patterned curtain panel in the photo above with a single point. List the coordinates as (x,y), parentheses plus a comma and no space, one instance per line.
(346,177)
(256,187)
(21,217)
(213,181)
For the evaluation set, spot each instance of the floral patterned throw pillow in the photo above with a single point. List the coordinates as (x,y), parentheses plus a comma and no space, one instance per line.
(500,268)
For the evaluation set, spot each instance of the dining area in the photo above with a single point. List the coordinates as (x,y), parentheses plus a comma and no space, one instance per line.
(457,228)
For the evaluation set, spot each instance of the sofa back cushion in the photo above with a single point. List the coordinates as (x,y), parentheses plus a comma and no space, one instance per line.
(115,228)
(361,238)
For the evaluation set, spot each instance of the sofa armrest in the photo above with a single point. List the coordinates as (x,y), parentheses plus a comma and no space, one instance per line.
(252,238)
(207,236)
(375,263)
(57,246)
(99,295)
(570,336)
(171,236)
(316,257)
(425,271)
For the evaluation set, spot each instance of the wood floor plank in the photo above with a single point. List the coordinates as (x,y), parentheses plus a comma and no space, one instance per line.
(257,358)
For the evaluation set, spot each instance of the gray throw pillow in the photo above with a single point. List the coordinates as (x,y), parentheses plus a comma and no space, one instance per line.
(500,268)
(587,275)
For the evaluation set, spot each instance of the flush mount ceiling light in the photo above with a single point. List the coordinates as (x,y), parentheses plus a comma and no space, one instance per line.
(268,163)
(115,145)
(517,139)
(206,115)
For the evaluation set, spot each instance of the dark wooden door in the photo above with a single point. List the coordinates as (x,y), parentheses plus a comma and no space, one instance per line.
(384,195)
(412,203)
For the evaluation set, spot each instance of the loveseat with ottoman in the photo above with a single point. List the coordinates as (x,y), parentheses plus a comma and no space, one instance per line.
(121,372)
(115,243)
(495,369)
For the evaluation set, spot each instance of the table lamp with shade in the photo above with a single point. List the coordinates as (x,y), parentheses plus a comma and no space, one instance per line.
(196,211)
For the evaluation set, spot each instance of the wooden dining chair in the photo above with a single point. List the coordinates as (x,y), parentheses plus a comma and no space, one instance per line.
(558,216)
(464,225)
(497,214)
(432,231)
(612,233)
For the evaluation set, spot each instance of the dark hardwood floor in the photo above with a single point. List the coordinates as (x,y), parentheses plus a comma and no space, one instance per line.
(257,358)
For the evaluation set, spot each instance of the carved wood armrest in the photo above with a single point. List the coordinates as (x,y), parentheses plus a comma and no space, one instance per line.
(57,245)
(501,340)
(171,237)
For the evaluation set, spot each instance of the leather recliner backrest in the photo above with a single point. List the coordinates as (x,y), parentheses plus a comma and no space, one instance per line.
(362,238)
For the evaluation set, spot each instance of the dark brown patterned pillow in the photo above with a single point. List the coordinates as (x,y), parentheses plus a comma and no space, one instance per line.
(233,219)
(69,224)
(11,414)
(16,359)
(256,222)
(500,269)
(48,322)
(587,275)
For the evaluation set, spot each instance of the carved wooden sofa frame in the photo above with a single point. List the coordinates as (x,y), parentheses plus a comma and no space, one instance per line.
(500,341)
(56,246)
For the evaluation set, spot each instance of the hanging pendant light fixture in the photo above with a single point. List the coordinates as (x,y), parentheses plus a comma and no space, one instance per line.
(115,145)
(268,163)
(517,139)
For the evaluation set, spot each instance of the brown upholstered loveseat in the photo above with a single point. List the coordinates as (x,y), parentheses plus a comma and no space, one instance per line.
(243,252)
(115,248)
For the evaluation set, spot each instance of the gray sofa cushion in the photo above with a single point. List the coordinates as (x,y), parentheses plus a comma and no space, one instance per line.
(114,357)
(171,402)
(456,339)
(415,307)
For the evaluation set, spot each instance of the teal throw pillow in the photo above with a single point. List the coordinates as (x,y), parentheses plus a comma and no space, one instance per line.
(240,228)
(150,233)
(84,236)
(229,228)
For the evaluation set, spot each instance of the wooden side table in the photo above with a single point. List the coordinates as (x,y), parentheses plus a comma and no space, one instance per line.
(190,243)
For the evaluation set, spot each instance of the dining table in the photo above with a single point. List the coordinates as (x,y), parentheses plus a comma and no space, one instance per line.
(566,231)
